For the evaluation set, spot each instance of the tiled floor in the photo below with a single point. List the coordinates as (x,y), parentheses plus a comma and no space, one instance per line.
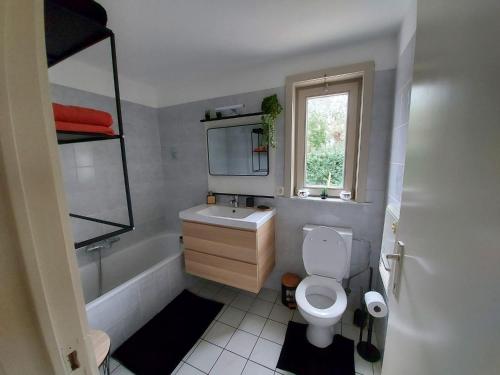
(247,335)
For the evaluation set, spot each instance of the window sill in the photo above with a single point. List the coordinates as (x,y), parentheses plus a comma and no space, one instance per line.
(332,200)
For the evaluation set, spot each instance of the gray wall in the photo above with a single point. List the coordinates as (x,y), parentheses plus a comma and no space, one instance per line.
(185,166)
(93,176)
(398,151)
(184,150)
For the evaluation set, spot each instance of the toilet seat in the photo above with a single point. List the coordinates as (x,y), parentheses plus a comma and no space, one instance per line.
(333,286)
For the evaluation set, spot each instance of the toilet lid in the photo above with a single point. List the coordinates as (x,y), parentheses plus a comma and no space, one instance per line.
(324,253)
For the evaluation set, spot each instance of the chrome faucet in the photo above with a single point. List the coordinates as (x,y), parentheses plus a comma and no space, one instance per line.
(104,244)
(234,201)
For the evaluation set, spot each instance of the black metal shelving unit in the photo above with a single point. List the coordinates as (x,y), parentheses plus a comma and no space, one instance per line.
(262,156)
(66,34)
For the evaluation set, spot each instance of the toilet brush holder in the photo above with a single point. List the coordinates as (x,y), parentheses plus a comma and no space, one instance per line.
(366,349)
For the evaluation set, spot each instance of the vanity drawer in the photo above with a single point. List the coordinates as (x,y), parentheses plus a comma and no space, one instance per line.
(221,241)
(226,271)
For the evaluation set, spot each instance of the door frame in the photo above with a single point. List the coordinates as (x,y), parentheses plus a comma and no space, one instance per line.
(40,240)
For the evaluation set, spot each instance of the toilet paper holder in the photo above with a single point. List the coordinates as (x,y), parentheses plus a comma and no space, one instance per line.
(366,349)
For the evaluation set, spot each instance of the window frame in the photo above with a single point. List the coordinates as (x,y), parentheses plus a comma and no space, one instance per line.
(352,88)
(363,72)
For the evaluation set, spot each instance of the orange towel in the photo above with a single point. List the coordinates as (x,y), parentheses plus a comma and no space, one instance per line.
(70,113)
(83,128)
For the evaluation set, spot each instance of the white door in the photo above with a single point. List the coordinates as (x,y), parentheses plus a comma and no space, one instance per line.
(446,319)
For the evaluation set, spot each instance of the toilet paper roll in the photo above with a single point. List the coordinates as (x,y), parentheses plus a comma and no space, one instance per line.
(375,304)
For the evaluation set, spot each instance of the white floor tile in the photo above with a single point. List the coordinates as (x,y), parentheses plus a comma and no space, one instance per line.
(266,353)
(232,317)
(298,318)
(243,302)
(122,370)
(221,311)
(187,369)
(253,368)
(208,329)
(269,295)
(377,368)
(113,363)
(249,294)
(219,334)
(228,364)
(191,350)
(195,289)
(176,370)
(347,317)
(361,366)
(281,313)
(209,290)
(225,295)
(351,332)
(283,372)
(261,307)
(274,331)
(238,291)
(213,284)
(205,293)
(242,343)
(204,356)
(253,323)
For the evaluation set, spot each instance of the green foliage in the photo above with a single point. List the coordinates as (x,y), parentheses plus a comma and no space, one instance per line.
(325,145)
(317,130)
(322,164)
(272,109)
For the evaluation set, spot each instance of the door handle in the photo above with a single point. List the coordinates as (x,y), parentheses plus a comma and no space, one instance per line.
(397,257)
(393,256)
(387,257)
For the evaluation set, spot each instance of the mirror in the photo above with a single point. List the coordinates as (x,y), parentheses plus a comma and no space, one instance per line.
(237,151)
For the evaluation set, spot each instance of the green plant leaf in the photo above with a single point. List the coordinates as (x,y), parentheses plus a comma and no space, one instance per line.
(271,108)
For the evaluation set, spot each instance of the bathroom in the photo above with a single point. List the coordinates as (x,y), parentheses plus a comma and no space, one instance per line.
(210,229)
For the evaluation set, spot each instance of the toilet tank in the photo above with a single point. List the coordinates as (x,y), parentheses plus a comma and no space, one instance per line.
(345,233)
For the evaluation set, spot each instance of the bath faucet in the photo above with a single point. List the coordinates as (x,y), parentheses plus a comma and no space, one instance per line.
(104,244)
(234,201)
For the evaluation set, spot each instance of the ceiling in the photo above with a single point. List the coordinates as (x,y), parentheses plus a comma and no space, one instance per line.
(163,41)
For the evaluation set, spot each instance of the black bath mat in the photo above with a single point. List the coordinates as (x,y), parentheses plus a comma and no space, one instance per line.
(302,358)
(159,346)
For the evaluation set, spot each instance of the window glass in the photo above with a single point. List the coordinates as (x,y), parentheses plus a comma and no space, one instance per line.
(325,149)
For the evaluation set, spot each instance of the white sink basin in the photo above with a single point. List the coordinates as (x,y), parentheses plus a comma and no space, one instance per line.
(243,218)
(228,212)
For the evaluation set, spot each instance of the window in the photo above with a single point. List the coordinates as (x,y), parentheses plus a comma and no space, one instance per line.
(327,130)
(327,118)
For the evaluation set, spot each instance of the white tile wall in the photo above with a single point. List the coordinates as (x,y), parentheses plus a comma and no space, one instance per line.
(404,77)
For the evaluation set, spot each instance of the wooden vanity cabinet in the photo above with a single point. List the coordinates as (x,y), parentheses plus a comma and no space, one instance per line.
(237,257)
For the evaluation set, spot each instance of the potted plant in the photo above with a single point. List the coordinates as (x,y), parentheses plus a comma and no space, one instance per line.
(271,109)
(324,191)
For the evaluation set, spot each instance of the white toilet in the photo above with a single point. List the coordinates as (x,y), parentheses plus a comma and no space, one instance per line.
(321,300)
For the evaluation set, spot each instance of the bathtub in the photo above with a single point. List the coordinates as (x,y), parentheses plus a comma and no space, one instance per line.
(138,281)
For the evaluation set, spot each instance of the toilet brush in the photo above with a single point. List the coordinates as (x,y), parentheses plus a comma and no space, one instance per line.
(359,319)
